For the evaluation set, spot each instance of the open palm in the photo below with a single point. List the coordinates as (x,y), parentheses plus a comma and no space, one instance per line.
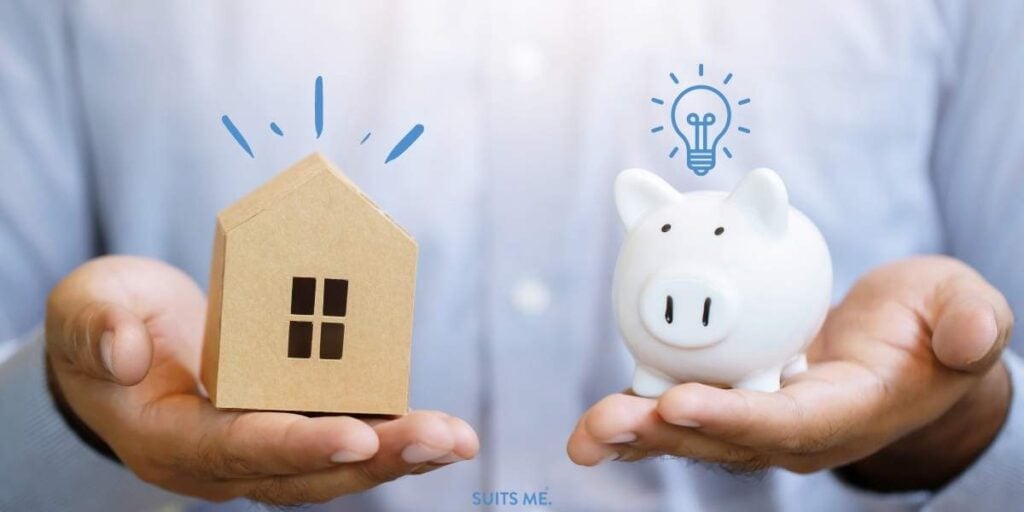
(909,343)
(124,337)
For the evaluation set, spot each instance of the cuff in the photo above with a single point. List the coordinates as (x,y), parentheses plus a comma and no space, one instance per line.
(995,481)
(43,464)
(877,501)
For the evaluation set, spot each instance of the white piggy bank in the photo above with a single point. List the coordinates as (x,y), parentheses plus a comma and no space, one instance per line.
(715,287)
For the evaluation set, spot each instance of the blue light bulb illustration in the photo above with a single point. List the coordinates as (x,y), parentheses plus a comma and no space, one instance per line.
(701,116)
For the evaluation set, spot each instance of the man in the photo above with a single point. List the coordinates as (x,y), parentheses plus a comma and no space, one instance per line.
(894,126)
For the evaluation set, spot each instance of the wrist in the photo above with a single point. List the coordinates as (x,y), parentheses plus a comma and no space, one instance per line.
(931,457)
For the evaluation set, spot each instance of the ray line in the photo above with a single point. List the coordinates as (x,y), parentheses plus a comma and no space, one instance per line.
(318,106)
(406,141)
(237,135)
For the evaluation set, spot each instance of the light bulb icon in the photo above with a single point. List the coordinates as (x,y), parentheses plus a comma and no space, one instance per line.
(700,129)
(701,116)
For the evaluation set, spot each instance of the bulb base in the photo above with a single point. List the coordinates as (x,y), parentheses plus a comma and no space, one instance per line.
(700,161)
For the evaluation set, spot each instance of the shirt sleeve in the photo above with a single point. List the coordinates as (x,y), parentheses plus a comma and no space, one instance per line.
(994,482)
(45,231)
(978,175)
(46,223)
(978,178)
(44,464)
(977,156)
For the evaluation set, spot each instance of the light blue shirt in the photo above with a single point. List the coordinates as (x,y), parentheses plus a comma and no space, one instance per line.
(896,126)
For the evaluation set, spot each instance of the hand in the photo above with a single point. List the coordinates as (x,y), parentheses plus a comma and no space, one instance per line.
(905,383)
(123,336)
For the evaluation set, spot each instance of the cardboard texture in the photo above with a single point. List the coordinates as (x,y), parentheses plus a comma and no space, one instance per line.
(310,299)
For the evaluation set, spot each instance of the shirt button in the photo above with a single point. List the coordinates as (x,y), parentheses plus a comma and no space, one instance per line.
(527,62)
(531,296)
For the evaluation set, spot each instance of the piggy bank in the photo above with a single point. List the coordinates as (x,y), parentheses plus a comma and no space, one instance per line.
(722,288)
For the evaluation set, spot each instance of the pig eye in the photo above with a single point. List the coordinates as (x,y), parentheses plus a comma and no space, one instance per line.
(666,227)
(719,230)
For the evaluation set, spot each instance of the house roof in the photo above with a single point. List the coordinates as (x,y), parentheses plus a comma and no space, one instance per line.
(279,187)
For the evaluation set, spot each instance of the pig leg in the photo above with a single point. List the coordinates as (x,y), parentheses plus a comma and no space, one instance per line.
(796,365)
(765,380)
(650,383)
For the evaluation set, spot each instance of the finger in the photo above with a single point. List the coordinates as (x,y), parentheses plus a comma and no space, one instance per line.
(973,323)
(103,341)
(420,437)
(202,441)
(631,428)
(466,447)
(816,410)
(97,316)
(466,443)
(604,428)
(407,444)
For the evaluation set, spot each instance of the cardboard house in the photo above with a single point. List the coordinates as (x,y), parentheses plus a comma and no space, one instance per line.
(310,299)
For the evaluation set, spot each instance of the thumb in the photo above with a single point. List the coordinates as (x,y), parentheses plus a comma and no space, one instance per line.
(104,341)
(973,324)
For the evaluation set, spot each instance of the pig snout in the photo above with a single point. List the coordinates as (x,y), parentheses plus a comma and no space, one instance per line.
(687,311)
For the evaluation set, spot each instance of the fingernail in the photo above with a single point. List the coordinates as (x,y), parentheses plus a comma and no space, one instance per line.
(107,350)
(684,422)
(610,457)
(343,456)
(448,459)
(989,338)
(416,453)
(625,437)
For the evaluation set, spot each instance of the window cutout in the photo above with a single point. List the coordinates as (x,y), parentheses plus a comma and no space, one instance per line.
(332,340)
(300,339)
(303,295)
(335,297)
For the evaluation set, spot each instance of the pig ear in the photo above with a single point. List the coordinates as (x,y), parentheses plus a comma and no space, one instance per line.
(762,195)
(639,192)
